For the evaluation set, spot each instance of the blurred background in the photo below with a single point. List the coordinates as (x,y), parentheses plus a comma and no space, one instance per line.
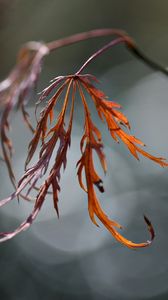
(70,258)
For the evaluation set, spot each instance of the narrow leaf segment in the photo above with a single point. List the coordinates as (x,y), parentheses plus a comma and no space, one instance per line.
(55,135)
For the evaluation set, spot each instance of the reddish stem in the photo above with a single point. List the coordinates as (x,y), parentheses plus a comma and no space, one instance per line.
(99,52)
(130,43)
(88,35)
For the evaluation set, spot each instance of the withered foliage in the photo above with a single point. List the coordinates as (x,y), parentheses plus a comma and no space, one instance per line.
(15,92)
(55,135)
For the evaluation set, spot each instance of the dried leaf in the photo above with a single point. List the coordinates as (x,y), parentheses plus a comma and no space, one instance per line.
(51,133)
(15,92)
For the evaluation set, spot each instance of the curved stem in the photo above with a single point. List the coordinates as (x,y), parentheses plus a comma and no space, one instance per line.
(130,44)
(99,52)
(88,35)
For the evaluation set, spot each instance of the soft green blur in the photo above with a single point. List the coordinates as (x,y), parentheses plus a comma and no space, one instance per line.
(70,258)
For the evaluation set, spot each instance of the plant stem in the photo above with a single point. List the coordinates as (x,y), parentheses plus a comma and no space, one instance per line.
(124,37)
(99,52)
(87,35)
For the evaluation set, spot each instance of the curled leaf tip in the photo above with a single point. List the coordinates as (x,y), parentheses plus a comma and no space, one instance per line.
(150,228)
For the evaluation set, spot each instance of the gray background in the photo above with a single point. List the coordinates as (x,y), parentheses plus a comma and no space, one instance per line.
(70,258)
